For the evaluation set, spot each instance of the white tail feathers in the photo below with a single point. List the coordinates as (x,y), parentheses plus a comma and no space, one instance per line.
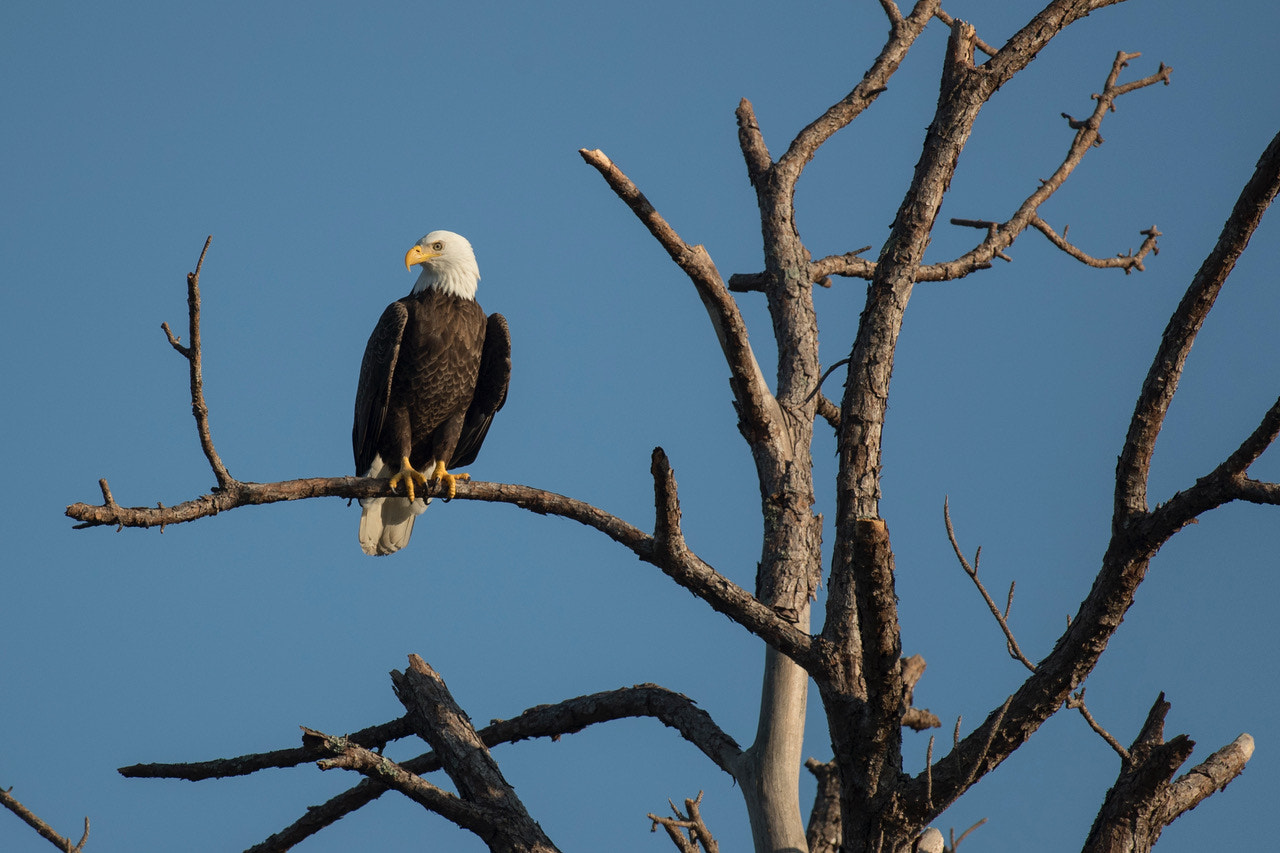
(386,523)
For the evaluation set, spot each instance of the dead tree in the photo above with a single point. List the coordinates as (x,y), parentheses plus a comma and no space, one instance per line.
(865,802)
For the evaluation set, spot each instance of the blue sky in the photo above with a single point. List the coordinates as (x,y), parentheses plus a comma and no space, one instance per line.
(316,143)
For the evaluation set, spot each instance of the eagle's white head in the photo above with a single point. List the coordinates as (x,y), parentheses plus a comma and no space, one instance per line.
(448,264)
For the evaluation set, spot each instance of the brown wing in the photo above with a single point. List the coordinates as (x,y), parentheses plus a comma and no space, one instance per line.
(491,391)
(373,391)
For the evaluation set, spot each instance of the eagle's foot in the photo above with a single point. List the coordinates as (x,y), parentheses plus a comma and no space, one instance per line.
(410,477)
(450,480)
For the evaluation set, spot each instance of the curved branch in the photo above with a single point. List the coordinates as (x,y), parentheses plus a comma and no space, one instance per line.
(1127,261)
(903,34)
(685,567)
(1162,379)
(644,700)
(759,411)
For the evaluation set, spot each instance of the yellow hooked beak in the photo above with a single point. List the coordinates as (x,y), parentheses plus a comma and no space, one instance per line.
(418,255)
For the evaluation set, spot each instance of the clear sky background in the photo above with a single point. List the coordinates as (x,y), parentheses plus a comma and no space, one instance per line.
(316,142)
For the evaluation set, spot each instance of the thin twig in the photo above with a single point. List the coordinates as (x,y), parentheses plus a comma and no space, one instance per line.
(830,370)
(955,842)
(1011,644)
(1076,701)
(1001,235)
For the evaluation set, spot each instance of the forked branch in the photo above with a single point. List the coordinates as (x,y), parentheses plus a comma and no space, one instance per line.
(10,802)
(687,831)
(1166,368)
(1001,235)
(1144,800)
(543,721)
(761,416)
(678,562)
(194,354)
(971,569)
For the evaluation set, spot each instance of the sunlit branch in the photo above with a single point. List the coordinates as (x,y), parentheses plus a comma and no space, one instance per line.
(31,819)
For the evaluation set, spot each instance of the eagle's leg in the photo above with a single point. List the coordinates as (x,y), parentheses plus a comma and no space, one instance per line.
(409,476)
(450,480)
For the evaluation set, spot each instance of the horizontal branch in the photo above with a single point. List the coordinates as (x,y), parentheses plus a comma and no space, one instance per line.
(550,721)
(685,568)
(373,737)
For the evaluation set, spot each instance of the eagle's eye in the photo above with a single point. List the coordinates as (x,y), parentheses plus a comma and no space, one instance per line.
(438,246)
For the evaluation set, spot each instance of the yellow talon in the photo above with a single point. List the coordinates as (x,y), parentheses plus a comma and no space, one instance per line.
(409,476)
(450,480)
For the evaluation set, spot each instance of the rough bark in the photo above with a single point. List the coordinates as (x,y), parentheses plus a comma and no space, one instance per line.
(864,801)
(1144,799)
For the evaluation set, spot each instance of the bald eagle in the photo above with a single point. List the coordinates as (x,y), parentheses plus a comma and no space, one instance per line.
(435,371)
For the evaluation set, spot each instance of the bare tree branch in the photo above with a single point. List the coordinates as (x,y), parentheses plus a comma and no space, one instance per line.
(1011,643)
(1132,817)
(439,721)
(374,737)
(10,802)
(684,567)
(1166,369)
(1208,777)
(645,700)
(347,755)
(194,354)
(1127,261)
(1001,235)
(823,832)
(902,35)
(696,835)
(1076,701)
(761,417)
